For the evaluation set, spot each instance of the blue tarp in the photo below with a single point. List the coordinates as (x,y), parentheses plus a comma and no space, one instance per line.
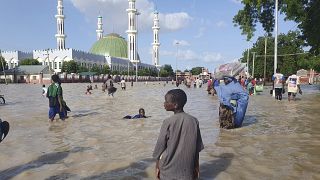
(233,92)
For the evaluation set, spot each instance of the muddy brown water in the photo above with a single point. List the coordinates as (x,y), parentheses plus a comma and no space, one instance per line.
(278,140)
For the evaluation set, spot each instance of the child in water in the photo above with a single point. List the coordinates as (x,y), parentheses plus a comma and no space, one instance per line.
(141,114)
(179,142)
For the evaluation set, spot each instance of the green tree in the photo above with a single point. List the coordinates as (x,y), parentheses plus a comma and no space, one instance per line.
(70,67)
(196,70)
(291,56)
(304,12)
(29,62)
(4,63)
(163,73)
(96,69)
(105,69)
(82,69)
(168,69)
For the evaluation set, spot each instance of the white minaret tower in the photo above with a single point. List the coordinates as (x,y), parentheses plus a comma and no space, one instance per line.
(155,44)
(60,26)
(99,29)
(132,32)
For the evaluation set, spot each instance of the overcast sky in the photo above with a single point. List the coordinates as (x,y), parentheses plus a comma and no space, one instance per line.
(203,28)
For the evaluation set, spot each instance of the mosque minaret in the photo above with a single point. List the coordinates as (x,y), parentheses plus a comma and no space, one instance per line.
(60,26)
(155,44)
(132,32)
(99,28)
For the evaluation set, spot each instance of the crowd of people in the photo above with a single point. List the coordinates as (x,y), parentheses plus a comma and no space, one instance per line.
(179,142)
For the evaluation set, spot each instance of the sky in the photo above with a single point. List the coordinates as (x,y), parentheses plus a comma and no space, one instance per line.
(204,29)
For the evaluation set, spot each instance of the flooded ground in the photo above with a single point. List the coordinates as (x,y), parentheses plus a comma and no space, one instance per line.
(279,140)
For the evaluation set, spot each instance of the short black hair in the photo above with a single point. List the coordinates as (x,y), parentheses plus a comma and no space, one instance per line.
(55,78)
(178,96)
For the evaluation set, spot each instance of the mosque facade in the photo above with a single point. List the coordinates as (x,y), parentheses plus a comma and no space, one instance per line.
(113,50)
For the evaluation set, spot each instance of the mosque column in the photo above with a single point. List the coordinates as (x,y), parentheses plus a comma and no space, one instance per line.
(60,26)
(155,44)
(99,28)
(132,32)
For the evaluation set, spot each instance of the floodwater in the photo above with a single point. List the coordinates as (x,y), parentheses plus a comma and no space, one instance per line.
(278,140)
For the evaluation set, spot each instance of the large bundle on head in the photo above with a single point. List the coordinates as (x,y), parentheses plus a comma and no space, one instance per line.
(229,70)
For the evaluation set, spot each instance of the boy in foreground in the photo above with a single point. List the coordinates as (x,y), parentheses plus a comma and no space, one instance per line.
(179,142)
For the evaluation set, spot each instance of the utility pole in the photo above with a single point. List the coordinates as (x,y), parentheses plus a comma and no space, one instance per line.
(254,55)
(276,38)
(265,60)
(177,44)
(248,55)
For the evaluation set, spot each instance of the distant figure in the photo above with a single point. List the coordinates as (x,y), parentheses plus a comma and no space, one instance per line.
(104,86)
(209,86)
(4,129)
(44,90)
(123,84)
(278,84)
(89,89)
(110,87)
(141,114)
(95,86)
(132,83)
(293,86)
(54,94)
(179,142)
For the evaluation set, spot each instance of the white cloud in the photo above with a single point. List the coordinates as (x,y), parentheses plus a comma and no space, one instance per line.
(200,32)
(180,43)
(211,57)
(115,15)
(221,24)
(236,1)
(174,21)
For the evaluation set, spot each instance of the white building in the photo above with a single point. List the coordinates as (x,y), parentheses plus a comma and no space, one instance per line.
(111,49)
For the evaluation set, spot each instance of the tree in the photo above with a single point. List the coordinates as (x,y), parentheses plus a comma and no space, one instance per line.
(70,67)
(163,73)
(96,69)
(82,69)
(291,56)
(305,13)
(105,69)
(196,70)
(29,62)
(168,69)
(4,63)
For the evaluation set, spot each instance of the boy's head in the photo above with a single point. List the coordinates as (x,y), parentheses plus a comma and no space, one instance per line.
(175,99)
(43,85)
(55,78)
(142,112)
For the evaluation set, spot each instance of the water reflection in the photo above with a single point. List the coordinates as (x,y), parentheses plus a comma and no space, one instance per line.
(278,140)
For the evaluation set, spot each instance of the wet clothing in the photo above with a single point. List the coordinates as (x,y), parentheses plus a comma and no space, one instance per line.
(134,117)
(278,80)
(226,117)
(110,88)
(293,82)
(54,93)
(178,147)
(234,97)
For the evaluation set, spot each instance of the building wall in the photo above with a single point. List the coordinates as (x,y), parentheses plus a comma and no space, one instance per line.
(12,58)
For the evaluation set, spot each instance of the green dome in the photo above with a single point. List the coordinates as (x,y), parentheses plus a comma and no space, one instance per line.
(111,45)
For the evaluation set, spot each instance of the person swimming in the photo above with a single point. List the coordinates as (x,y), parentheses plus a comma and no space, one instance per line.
(141,114)
(4,129)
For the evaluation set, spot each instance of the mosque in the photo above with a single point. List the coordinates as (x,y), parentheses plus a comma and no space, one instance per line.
(111,49)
